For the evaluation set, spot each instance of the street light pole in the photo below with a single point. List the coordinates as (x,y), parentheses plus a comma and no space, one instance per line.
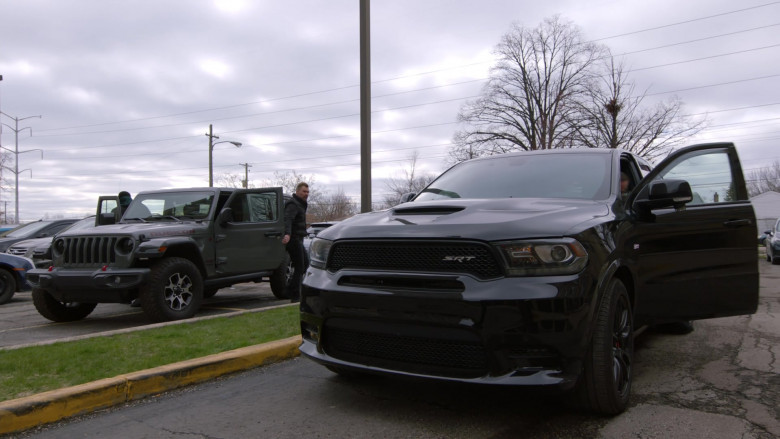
(211,137)
(16,152)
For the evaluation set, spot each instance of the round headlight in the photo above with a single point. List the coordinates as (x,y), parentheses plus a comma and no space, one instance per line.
(125,246)
(559,253)
(58,247)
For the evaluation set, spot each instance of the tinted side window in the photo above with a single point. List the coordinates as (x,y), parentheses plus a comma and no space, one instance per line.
(709,175)
(254,208)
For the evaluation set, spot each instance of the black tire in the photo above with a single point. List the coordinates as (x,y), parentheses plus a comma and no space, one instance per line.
(605,384)
(775,260)
(174,290)
(7,286)
(57,311)
(281,277)
(209,292)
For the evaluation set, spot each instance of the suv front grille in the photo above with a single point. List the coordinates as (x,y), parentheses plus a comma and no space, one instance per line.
(472,258)
(89,251)
(18,251)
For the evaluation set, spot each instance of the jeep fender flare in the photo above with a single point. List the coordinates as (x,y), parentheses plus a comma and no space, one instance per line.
(182,247)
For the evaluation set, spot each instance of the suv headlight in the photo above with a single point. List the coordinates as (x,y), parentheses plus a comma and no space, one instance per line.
(318,252)
(543,257)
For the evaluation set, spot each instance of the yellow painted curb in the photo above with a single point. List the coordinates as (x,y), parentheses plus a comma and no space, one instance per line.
(23,413)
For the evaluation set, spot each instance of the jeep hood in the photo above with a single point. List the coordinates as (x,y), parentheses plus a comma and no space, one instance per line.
(150,229)
(486,219)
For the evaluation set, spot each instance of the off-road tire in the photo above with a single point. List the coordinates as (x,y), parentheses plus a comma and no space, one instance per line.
(57,311)
(281,277)
(7,286)
(174,290)
(605,384)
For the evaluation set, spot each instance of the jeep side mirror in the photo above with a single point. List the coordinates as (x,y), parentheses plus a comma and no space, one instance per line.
(407,197)
(225,216)
(105,218)
(665,193)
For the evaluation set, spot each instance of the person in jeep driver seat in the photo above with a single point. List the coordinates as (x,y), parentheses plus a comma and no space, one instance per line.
(294,232)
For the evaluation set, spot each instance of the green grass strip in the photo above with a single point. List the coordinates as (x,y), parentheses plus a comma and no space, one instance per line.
(35,369)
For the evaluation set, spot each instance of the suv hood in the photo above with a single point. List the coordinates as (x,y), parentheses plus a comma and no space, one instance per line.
(485,219)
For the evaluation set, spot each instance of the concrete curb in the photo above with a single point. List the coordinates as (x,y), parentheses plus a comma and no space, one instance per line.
(23,413)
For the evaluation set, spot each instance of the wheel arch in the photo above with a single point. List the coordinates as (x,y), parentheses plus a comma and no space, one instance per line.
(189,251)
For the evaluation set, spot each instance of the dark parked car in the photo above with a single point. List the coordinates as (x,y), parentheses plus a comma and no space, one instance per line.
(13,276)
(37,229)
(39,249)
(533,269)
(772,243)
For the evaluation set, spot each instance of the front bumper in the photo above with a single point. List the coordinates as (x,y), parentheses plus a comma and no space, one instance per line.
(516,331)
(97,286)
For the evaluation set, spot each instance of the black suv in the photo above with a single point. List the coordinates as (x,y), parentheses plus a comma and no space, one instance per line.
(534,269)
(171,249)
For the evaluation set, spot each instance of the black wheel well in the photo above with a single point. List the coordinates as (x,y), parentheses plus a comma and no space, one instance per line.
(11,270)
(189,252)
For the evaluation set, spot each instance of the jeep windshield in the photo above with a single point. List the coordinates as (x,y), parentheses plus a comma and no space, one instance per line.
(170,206)
(584,176)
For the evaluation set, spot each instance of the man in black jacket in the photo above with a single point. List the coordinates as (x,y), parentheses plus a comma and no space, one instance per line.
(294,232)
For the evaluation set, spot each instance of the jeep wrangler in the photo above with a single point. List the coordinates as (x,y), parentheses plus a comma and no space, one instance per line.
(170,249)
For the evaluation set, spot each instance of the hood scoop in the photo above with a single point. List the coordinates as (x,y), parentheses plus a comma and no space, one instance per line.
(427,210)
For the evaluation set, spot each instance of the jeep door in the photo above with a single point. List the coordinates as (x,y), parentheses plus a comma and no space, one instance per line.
(251,240)
(697,260)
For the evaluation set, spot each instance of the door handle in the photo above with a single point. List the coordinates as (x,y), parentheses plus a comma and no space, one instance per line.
(738,223)
(273,234)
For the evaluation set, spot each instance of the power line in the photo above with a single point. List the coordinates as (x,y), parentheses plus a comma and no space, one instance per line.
(686,21)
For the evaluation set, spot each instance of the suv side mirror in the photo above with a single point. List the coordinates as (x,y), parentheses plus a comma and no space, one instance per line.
(407,197)
(105,218)
(665,193)
(225,216)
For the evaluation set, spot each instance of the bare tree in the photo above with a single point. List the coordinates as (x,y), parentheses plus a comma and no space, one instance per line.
(530,100)
(231,180)
(615,117)
(333,207)
(764,180)
(411,181)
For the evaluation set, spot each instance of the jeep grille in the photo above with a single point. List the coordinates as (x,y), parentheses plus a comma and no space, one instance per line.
(88,251)
(472,258)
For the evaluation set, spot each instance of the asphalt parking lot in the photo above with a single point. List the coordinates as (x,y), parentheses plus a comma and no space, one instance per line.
(20,323)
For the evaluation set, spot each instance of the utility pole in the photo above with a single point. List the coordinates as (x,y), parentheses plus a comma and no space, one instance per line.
(246,173)
(365,107)
(16,152)
(211,136)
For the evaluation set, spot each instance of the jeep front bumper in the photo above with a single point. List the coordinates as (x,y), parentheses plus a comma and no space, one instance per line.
(97,286)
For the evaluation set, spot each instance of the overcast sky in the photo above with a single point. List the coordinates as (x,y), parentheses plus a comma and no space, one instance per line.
(127,89)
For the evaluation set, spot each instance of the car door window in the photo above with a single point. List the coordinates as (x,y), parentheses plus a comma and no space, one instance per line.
(709,175)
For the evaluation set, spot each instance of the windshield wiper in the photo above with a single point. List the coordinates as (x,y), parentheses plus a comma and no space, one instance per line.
(133,219)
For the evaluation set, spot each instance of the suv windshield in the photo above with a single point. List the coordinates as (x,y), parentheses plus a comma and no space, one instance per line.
(170,205)
(580,176)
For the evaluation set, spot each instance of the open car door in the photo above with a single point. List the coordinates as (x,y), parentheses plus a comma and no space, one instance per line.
(694,237)
(108,211)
